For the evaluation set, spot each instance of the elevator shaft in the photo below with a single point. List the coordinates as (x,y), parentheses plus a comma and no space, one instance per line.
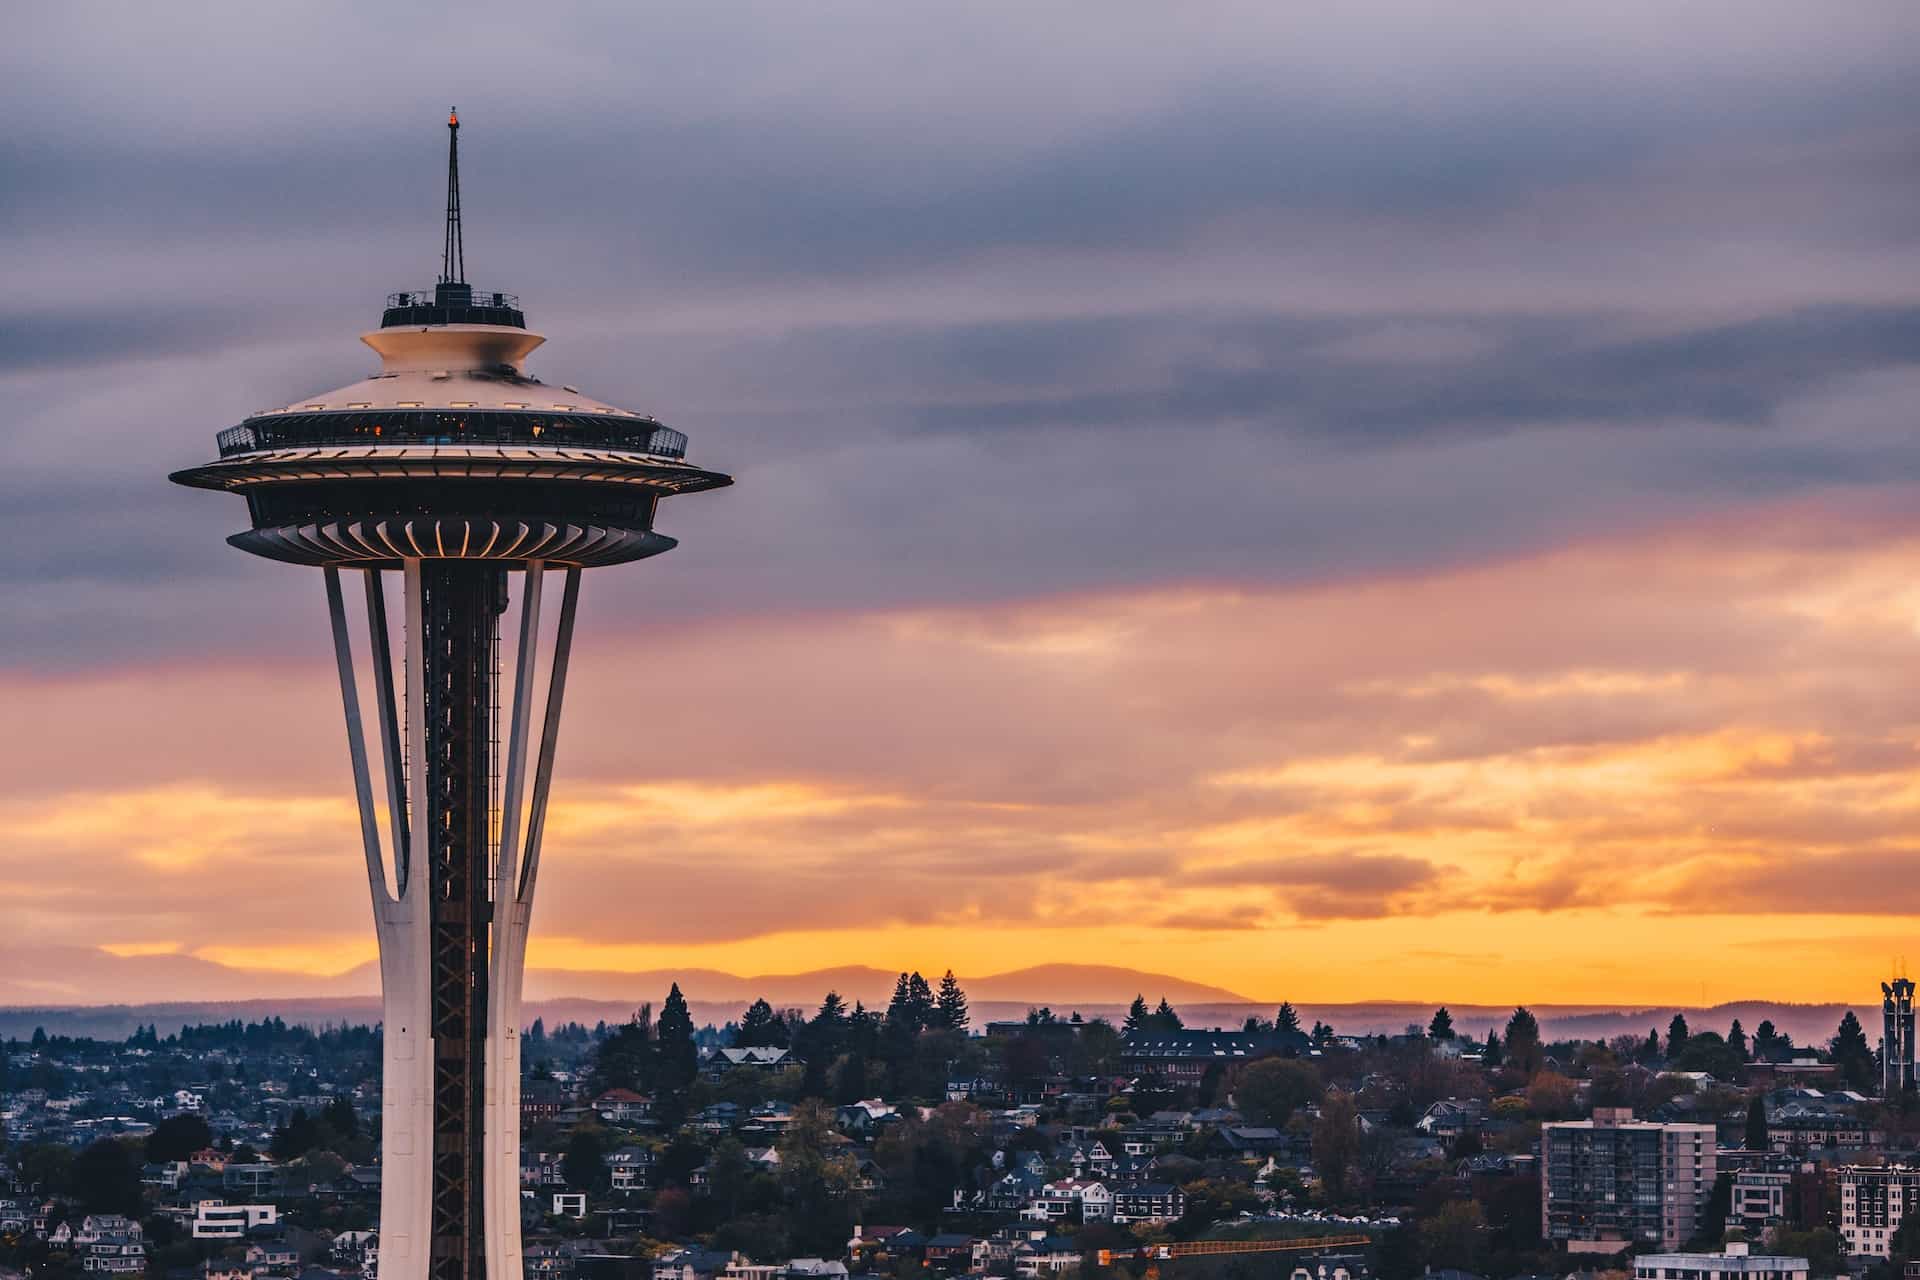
(461,603)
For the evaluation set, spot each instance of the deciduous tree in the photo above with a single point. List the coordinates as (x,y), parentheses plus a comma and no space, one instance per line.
(1268,1091)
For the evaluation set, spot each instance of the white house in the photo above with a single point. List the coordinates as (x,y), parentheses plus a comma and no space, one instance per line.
(217,1220)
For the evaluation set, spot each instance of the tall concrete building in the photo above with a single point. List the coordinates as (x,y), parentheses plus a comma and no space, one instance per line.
(470,479)
(1896,1036)
(1613,1181)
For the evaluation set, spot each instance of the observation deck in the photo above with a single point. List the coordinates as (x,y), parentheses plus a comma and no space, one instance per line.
(454,302)
(452,451)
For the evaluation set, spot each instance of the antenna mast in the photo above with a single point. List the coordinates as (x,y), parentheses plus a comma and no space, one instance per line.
(453,258)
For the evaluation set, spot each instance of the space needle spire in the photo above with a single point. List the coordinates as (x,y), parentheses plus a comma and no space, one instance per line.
(454,470)
(453,258)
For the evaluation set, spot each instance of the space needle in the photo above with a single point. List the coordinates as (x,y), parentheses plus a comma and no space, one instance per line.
(469,478)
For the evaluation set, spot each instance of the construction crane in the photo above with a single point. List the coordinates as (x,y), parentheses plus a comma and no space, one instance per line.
(1155,1254)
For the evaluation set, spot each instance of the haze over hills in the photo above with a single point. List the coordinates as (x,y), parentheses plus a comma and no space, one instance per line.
(58,988)
(85,976)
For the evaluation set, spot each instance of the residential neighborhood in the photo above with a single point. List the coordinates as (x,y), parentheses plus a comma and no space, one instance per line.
(840,1142)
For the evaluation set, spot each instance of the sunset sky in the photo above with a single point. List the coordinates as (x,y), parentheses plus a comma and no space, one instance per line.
(1403,504)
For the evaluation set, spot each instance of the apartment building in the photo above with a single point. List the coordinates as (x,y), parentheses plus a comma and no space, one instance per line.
(1873,1200)
(1613,1181)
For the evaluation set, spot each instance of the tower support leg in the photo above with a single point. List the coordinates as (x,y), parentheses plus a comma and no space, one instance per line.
(453,925)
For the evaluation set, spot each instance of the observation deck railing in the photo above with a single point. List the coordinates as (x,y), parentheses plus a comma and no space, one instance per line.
(451,427)
(473,298)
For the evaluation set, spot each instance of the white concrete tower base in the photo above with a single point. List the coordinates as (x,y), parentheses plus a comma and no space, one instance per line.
(402,917)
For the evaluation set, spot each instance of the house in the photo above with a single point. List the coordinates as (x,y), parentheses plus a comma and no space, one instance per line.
(217,1220)
(1148,1202)
(1074,1198)
(816,1269)
(549,1261)
(768,1119)
(758,1057)
(272,1255)
(165,1174)
(355,1248)
(111,1244)
(692,1264)
(569,1204)
(630,1169)
(1047,1256)
(541,1169)
(863,1118)
(868,1176)
(949,1251)
(1014,1190)
(623,1106)
(1246,1140)
(1185,1057)
(255,1179)
(100,1226)
(541,1100)
(1449,1118)
(869,1241)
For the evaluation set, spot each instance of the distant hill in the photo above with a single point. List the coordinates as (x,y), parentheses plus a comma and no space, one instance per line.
(62,977)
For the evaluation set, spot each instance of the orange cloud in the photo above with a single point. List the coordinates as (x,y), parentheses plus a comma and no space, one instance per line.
(1594,772)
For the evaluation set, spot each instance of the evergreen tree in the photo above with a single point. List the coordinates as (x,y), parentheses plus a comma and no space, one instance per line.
(178,1137)
(1765,1040)
(1165,1020)
(628,1058)
(1757,1139)
(825,1036)
(537,1033)
(850,1082)
(951,1005)
(679,1060)
(1441,1028)
(1737,1039)
(1650,1051)
(105,1178)
(761,1027)
(920,1000)
(1287,1018)
(863,1030)
(1137,1015)
(1491,1055)
(1676,1035)
(342,1118)
(1852,1053)
(1322,1032)
(584,1164)
(1522,1049)
(900,1008)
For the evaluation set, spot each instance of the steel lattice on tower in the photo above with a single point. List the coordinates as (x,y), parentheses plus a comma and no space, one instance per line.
(456,469)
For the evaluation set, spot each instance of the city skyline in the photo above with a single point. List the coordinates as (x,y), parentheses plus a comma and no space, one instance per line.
(1209,518)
